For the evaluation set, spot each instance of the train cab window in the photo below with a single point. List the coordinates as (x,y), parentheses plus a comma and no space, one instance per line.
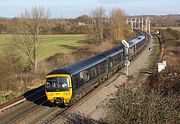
(63,82)
(58,82)
(51,82)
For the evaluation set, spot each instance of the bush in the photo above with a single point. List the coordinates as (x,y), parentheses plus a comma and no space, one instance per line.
(13,82)
(6,74)
(142,107)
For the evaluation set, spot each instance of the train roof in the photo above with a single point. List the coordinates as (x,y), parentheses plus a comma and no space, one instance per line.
(89,62)
(113,51)
(136,40)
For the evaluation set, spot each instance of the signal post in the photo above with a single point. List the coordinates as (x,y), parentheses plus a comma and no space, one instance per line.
(126,48)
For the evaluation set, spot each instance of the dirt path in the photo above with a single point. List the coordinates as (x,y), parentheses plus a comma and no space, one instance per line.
(94,105)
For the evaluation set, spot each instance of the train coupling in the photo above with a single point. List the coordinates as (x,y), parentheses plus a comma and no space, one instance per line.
(59,101)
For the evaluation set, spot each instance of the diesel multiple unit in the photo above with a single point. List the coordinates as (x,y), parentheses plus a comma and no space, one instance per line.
(65,84)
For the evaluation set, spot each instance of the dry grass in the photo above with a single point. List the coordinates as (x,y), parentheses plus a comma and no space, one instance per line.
(6,74)
(98,48)
(172,55)
(134,107)
(56,61)
(171,40)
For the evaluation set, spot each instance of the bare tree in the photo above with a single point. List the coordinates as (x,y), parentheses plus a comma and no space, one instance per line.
(117,24)
(26,34)
(98,21)
(113,27)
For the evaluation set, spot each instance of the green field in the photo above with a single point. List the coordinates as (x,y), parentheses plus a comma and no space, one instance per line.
(50,44)
(173,28)
(4,41)
(176,28)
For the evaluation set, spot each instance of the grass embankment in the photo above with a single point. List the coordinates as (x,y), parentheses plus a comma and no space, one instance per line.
(164,28)
(155,53)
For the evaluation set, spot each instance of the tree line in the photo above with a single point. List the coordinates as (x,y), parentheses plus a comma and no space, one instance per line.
(55,26)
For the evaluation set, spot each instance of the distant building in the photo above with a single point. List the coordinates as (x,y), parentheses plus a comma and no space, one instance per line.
(81,24)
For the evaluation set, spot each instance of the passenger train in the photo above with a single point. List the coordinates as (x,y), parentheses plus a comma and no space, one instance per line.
(65,85)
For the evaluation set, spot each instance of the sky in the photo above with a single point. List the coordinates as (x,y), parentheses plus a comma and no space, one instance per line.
(75,8)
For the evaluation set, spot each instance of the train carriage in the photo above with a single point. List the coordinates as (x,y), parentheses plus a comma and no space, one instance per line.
(66,84)
(135,46)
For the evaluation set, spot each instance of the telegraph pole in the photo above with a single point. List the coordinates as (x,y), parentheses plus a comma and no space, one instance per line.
(149,25)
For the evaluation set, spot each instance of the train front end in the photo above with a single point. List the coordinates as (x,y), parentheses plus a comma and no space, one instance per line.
(59,88)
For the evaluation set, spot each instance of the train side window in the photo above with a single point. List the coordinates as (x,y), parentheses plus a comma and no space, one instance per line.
(117,58)
(84,76)
(120,56)
(131,50)
(110,62)
(99,69)
(94,72)
(75,81)
(104,67)
(81,74)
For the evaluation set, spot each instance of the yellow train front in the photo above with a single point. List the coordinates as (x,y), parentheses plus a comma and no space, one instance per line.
(58,88)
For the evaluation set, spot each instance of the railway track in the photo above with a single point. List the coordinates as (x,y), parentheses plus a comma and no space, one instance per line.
(13,112)
(39,102)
